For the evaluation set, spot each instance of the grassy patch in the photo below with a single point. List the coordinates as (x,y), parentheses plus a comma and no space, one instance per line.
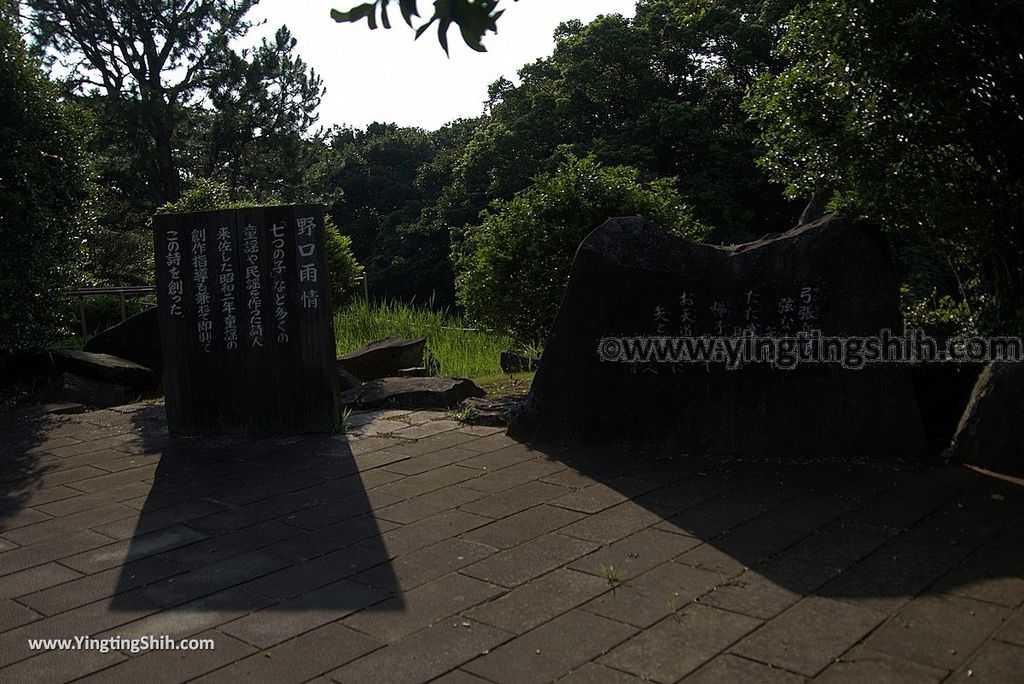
(467,353)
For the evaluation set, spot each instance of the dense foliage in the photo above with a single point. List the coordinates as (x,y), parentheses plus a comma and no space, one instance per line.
(909,113)
(43,193)
(514,267)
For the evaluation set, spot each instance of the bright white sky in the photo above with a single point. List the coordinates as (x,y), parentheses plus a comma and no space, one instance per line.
(386,76)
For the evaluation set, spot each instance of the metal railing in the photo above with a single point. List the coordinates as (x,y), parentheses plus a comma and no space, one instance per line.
(122,292)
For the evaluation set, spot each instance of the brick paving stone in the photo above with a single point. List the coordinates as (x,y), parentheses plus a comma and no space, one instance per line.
(416,485)
(842,544)
(713,517)
(382,428)
(458,677)
(592,673)
(92,619)
(421,463)
(679,644)
(424,655)
(434,427)
(501,458)
(551,650)
(172,667)
(445,441)
(425,565)
(994,662)
(132,549)
(513,476)
(422,506)
(21,519)
(912,500)
(771,587)
(415,536)
(810,635)
(938,630)
(318,543)
(530,559)
(539,600)
(514,500)
(100,585)
(493,442)
(991,574)
(730,669)
(303,577)
(53,549)
(689,491)
(594,498)
(298,660)
(655,595)
(709,557)
(636,554)
(863,664)
(189,619)
(13,614)
(212,549)
(612,524)
(209,579)
(422,607)
(58,527)
(295,616)
(59,666)
(35,579)
(758,540)
(523,526)
(1013,630)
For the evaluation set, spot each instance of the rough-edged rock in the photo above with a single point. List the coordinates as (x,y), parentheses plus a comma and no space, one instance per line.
(383,358)
(347,381)
(942,391)
(411,393)
(989,433)
(415,372)
(490,412)
(105,368)
(630,278)
(517,363)
(69,388)
(135,339)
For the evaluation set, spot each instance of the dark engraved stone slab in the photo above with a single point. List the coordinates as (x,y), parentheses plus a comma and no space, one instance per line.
(248,342)
(630,279)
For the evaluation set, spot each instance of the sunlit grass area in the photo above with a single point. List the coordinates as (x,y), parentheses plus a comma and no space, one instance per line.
(458,351)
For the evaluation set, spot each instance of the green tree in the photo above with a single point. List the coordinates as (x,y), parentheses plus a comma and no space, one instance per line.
(156,58)
(910,113)
(44,188)
(513,268)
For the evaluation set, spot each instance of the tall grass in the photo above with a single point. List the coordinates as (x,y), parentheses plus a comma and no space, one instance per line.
(466,353)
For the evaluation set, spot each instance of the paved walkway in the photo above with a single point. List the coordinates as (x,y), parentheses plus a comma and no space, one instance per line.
(416,548)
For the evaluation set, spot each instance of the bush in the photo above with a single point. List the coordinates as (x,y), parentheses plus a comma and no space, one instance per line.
(44,187)
(207,195)
(512,269)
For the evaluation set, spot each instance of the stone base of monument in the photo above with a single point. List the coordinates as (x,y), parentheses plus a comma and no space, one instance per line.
(631,281)
(989,435)
(411,393)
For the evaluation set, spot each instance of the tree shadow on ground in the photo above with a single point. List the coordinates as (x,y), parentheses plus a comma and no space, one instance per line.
(244,524)
(25,436)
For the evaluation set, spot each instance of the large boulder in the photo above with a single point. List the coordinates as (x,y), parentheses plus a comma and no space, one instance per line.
(411,393)
(68,388)
(104,368)
(631,279)
(135,339)
(942,391)
(989,435)
(383,358)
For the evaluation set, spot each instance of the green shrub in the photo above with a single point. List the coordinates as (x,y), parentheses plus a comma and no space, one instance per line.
(44,186)
(512,269)
(207,195)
